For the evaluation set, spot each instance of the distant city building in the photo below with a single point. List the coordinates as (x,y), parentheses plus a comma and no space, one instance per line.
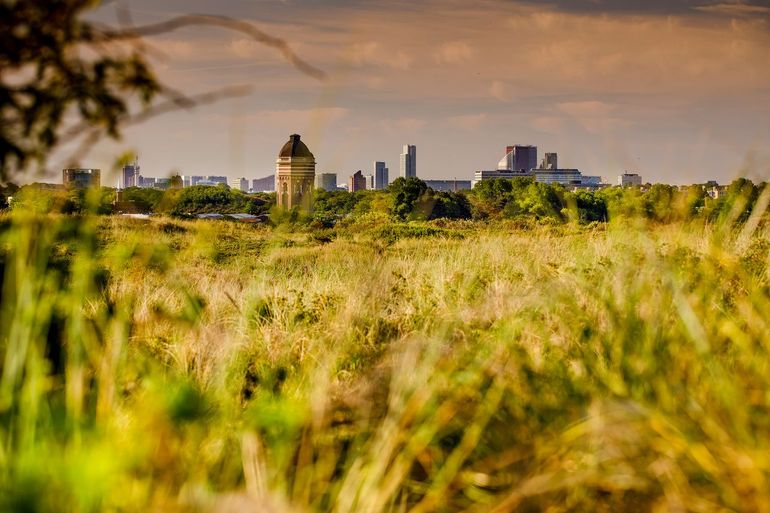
(629,179)
(295,175)
(550,161)
(560,176)
(448,185)
(591,180)
(518,158)
(218,179)
(239,184)
(129,175)
(380,176)
(357,182)
(189,181)
(207,183)
(409,161)
(266,184)
(146,182)
(482,175)
(79,178)
(162,183)
(326,181)
(369,182)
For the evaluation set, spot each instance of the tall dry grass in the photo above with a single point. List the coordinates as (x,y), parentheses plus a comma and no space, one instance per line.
(209,366)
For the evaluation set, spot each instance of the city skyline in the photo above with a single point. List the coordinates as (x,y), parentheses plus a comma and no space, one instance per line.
(672,90)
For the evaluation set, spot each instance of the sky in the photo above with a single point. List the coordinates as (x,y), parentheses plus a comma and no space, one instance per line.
(676,90)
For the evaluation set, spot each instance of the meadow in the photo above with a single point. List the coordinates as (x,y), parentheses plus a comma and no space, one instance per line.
(170,365)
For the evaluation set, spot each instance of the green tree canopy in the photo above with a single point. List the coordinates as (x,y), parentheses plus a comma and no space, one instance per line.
(405,192)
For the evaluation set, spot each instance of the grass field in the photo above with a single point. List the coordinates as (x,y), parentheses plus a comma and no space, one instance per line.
(168,366)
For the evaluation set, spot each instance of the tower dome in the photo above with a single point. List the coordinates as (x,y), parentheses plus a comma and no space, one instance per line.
(295,148)
(295,176)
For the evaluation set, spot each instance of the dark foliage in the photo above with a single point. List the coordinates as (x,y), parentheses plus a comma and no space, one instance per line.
(43,75)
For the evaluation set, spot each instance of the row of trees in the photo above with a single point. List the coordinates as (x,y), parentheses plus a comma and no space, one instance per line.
(412,199)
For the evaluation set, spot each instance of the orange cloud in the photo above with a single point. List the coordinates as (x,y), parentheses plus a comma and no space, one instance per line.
(454,52)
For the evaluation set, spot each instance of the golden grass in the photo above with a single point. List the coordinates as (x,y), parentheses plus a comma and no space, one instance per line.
(383,367)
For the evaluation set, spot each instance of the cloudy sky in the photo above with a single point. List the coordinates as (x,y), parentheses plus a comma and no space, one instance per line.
(678,90)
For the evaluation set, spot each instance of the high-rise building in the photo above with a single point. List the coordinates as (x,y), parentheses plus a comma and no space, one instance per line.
(295,175)
(409,161)
(369,182)
(357,182)
(629,179)
(266,184)
(78,178)
(550,161)
(380,176)
(518,158)
(326,181)
(129,176)
(239,184)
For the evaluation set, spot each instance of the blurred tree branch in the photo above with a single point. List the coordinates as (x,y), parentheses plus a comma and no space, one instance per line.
(57,69)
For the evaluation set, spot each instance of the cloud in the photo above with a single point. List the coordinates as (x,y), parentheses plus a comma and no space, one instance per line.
(468,122)
(735,9)
(244,48)
(406,125)
(297,118)
(497,90)
(647,7)
(591,108)
(373,53)
(548,124)
(453,52)
(595,116)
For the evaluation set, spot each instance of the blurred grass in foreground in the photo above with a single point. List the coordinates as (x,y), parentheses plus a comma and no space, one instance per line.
(448,366)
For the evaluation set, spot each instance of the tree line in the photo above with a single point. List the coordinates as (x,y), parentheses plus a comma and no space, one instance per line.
(411,199)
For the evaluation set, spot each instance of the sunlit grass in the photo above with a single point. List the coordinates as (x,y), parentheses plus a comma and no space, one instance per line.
(170,365)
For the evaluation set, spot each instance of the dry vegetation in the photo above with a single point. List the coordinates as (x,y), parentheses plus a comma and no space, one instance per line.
(210,366)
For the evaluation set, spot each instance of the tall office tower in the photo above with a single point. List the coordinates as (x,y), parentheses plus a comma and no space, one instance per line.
(409,161)
(357,182)
(294,175)
(326,181)
(369,182)
(519,159)
(524,158)
(380,176)
(130,175)
(550,161)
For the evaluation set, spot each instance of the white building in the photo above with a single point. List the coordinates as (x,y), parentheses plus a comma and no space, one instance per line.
(409,161)
(629,180)
(369,182)
(560,176)
(239,184)
(482,175)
